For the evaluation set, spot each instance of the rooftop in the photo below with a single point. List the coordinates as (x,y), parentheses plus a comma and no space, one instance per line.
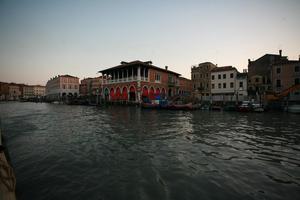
(137,63)
(221,69)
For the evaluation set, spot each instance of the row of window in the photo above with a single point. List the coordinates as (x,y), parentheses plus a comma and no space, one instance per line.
(219,76)
(224,85)
(278,69)
(278,82)
(201,76)
(70,87)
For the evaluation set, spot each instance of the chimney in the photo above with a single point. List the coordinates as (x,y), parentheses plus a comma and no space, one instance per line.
(166,67)
(249,61)
(280,52)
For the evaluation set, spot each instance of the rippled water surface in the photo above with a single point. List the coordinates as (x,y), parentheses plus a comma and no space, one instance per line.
(78,152)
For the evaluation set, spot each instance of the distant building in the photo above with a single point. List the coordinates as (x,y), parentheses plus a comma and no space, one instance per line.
(90,86)
(4,91)
(259,74)
(39,91)
(133,81)
(223,83)
(241,88)
(28,91)
(14,92)
(61,87)
(201,79)
(286,74)
(185,86)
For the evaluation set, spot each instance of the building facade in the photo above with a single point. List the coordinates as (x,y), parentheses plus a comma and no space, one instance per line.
(90,86)
(3,91)
(241,88)
(14,92)
(259,74)
(61,87)
(285,75)
(137,80)
(201,79)
(185,86)
(223,84)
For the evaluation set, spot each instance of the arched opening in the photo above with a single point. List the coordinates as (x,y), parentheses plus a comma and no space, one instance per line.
(132,94)
(106,94)
(151,93)
(163,93)
(124,94)
(170,92)
(157,93)
(118,94)
(145,94)
(112,94)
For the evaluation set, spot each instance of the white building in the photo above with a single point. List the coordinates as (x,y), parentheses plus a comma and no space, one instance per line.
(62,86)
(223,83)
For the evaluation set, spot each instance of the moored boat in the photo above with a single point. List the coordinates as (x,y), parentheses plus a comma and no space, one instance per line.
(294,109)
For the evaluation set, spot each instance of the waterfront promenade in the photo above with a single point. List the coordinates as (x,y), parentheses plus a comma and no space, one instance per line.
(74,152)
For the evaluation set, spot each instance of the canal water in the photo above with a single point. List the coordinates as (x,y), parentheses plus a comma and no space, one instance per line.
(80,152)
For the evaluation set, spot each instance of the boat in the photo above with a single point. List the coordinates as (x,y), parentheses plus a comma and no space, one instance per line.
(294,109)
(216,108)
(150,105)
(257,107)
(245,106)
(188,106)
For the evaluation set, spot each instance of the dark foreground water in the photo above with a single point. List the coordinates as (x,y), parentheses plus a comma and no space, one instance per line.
(77,152)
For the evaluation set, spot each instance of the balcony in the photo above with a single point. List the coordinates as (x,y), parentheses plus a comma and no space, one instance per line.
(125,80)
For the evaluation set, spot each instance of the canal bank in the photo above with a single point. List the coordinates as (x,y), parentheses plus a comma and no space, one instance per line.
(7,176)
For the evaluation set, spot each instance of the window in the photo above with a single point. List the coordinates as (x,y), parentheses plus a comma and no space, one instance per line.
(256,80)
(231,75)
(231,85)
(194,86)
(278,83)
(219,76)
(64,86)
(297,68)
(200,75)
(241,84)
(75,86)
(70,86)
(219,85)
(224,85)
(206,75)
(157,77)
(213,86)
(212,77)
(278,70)
(224,76)
(193,76)
(297,81)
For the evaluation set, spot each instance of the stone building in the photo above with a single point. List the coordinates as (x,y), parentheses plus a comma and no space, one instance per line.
(241,88)
(223,84)
(259,74)
(14,92)
(133,81)
(185,86)
(286,74)
(201,79)
(61,87)
(90,86)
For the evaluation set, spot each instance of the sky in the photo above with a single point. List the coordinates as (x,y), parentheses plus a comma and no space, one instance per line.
(41,39)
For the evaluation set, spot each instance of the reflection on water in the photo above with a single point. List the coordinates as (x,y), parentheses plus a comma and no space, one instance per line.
(77,152)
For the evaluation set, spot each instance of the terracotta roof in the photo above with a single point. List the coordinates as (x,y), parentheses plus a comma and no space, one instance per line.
(225,68)
(137,62)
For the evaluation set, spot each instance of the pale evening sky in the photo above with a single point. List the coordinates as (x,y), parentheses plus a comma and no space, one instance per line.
(40,39)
